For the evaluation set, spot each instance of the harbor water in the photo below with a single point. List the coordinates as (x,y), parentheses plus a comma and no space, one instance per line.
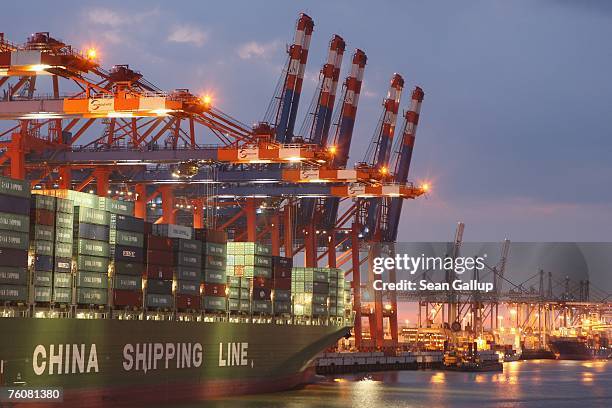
(538,383)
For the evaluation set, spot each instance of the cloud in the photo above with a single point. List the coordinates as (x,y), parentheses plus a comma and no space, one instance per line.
(188,34)
(111,18)
(254,49)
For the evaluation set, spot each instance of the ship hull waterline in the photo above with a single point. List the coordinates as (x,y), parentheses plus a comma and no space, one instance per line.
(105,362)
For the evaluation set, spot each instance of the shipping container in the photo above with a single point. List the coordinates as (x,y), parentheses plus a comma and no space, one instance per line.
(319,299)
(281,262)
(42,232)
(215,303)
(64,235)
(93,248)
(40,278)
(245,305)
(173,231)
(127,254)
(62,265)
(92,296)
(261,283)
(64,220)
(62,280)
(188,302)
(282,307)
(92,263)
(261,294)
(234,292)
(214,262)
(154,300)
(13,275)
(187,287)
(128,238)
(116,206)
(126,223)
(245,293)
(14,239)
(12,187)
(214,289)
(41,248)
(128,298)
(42,217)
(62,295)
(41,262)
(159,271)
(281,273)
(128,268)
(155,243)
(78,198)
(214,276)
(94,232)
(156,257)
(91,216)
(188,274)
(282,283)
(207,235)
(64,206)
(261,306)
(63,249)
(213,248)
(187,259)
(42,294)
(13,293)
(91,280)
(127,282)
(282,295)
(14,222)
(320,287)
(42,202)
(14,205)
(160,287)
(186,245)
(233,305)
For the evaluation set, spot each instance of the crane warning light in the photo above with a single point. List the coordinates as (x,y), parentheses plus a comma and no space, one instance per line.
(383,170)
(332,149)
(206,99)
(425,187)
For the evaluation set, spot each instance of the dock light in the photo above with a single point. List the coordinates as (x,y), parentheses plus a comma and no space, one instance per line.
(92,53)
(425,187)
(388,306)
(384,170)
(512,312)
(332,149)
(206,99)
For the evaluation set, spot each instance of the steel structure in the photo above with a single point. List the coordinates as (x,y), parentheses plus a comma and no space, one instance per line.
(69,123)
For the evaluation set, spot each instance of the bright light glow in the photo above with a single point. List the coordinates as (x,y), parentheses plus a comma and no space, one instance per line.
(161,112)
(332,149)
(513,312)
(425,187)
(120,114)
(38,67)
(384,170)
(92,53)
(388,306)
(295,159)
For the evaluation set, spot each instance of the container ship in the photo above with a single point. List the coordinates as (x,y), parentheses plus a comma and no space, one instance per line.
(570,348)
(117,311)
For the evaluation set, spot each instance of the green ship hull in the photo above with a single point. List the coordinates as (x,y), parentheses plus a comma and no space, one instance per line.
(110,362)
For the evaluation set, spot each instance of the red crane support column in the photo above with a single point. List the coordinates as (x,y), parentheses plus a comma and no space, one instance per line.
(251,217)
(356,283)
(168,214)
(198,213)
(140,207)
(16,153)
(310,246)
(288,230)
(275,232)
(101,175)
(331,249)
(65,178)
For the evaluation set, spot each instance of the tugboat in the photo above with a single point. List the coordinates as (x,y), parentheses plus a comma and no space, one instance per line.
(472,361)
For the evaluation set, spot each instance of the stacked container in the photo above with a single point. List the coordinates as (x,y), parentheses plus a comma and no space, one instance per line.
(310,288)
(127,259)
(14,217)
(62,261)
(238,293)
(92,255)
(281,272)
(158,273)
(337,285)
(253,261)
(187,273)
(42,247)
(214,277)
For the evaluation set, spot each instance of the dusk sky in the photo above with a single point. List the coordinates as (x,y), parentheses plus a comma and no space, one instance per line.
(515,131)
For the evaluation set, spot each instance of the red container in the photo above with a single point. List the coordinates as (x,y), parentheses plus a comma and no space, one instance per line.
(282,273)
(214,289)
(262,283)
(184,302)
(42,217)
(206,235)
(163,272)
(282,283)
(156,257)
(148,228)
(158,243)
(261,294)
(127,298)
